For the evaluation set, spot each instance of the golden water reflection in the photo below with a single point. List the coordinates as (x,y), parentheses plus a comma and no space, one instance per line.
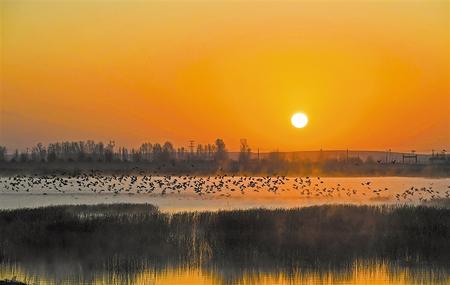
(357,273)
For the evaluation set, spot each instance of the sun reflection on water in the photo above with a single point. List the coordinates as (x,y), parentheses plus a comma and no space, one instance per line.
(359,273)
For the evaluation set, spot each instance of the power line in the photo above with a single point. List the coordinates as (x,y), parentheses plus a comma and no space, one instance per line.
(191,146)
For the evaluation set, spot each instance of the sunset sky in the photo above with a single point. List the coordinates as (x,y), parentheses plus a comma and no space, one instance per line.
(369,75)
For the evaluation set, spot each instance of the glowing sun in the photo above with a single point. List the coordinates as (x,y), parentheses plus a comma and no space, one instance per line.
(299,120)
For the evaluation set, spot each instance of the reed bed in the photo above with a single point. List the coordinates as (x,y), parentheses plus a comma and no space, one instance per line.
(127,236)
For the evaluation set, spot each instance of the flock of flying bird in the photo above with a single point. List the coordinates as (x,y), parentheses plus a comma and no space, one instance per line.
(220,185)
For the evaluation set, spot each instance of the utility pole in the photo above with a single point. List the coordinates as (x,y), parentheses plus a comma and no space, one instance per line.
(191,147)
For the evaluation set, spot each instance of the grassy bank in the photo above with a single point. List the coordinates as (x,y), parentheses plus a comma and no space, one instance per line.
(126,235)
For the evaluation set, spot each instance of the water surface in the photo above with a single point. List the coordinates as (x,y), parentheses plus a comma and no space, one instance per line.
(361,272)
(221,193)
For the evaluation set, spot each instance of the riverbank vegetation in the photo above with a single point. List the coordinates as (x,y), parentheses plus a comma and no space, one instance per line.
(129,235)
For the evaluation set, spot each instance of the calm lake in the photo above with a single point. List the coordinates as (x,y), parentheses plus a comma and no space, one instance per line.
(192,193)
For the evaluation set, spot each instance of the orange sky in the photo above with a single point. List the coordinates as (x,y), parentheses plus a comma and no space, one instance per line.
(370,75)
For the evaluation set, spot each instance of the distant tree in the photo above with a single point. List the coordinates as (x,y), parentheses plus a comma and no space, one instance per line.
(15,157)
(90,150)
(109,151)
(157,152)
(168,151)
(221,153)
(123,152)
(211,149)
(34,154)
(200,152)
(42,152)
(146,151)
(181,153)
(24,156)
(135,155)
(244,153)
(2,153)
(82,151)
(99,151)
(51,152)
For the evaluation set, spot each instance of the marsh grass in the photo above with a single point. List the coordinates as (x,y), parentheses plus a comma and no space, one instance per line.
(129,237)
(438,203)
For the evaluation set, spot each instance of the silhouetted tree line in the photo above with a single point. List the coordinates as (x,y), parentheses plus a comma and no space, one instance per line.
(210,158)
(91,151)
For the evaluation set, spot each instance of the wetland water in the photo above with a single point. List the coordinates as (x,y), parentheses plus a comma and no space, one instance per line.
(270,261)
(183,193)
